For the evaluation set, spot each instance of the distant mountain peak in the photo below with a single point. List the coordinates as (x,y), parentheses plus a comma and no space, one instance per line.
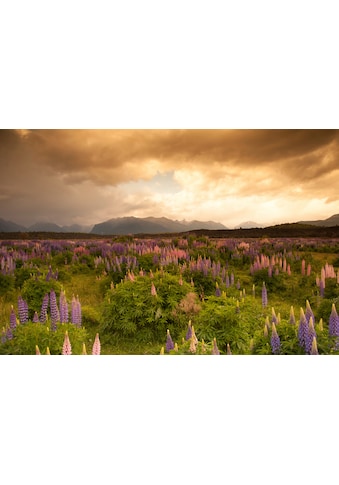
(150,225)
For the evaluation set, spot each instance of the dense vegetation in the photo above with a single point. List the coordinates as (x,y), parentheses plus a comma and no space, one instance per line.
(184,294)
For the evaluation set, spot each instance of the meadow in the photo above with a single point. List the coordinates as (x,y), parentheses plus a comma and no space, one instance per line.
(189,295)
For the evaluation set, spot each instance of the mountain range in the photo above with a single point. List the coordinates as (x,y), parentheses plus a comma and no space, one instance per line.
(330,222)
(150,225)
(145,225)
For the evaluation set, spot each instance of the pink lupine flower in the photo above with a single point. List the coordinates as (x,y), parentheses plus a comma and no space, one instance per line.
(66,348)
(96,346)
(153,290)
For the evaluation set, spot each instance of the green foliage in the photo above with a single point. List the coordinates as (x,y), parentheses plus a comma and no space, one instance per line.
(132,311)
(20,276)
(331,288)
(28,335)
(6,283)
(34,290)
(219,318)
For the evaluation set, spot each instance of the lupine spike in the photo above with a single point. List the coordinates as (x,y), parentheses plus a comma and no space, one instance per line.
(153,290)
(292,316)
(314,349)
(215,350)
(228,352)
(169,342)
(321,325)
(275,340)
(274,316)
(193,335)
(47,351)
(66,348)
(333,324)
(302,329)
(203,346)
(37,350)
(309,336)
(193,347)
(176,349)
(189,331)
(12,319)
(264,298)
(84,351)
(96,346)
(162,351)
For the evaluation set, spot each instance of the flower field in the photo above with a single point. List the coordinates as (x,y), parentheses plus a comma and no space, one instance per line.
(190,295)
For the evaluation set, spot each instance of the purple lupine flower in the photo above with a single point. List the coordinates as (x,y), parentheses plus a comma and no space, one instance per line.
(96,346)
(169,342)
(66,348)
(44,307)
(302,329)
(189,331)
(217,290)
(333,324)
(35,317)
(76,311)
(314,349)
(3,336)
(215,350)
(264,299)
(275,341)
(22,310)
(310,334)
(9,334)
(63,308)
(55,315)
(309,313)
(12,319)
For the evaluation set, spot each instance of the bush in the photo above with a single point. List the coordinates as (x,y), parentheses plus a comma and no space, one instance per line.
(131,311)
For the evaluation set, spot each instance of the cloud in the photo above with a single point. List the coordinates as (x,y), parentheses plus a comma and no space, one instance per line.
(85,175)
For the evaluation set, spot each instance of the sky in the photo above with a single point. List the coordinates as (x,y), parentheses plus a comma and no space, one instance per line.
(229,176)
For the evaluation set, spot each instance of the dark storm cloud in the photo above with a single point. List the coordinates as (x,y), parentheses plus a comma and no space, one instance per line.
(112,156)
(73,171)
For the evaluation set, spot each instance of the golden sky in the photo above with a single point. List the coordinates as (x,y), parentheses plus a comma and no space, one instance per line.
(229,176)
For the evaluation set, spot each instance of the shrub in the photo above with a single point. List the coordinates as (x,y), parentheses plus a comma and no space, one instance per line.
(132,311)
